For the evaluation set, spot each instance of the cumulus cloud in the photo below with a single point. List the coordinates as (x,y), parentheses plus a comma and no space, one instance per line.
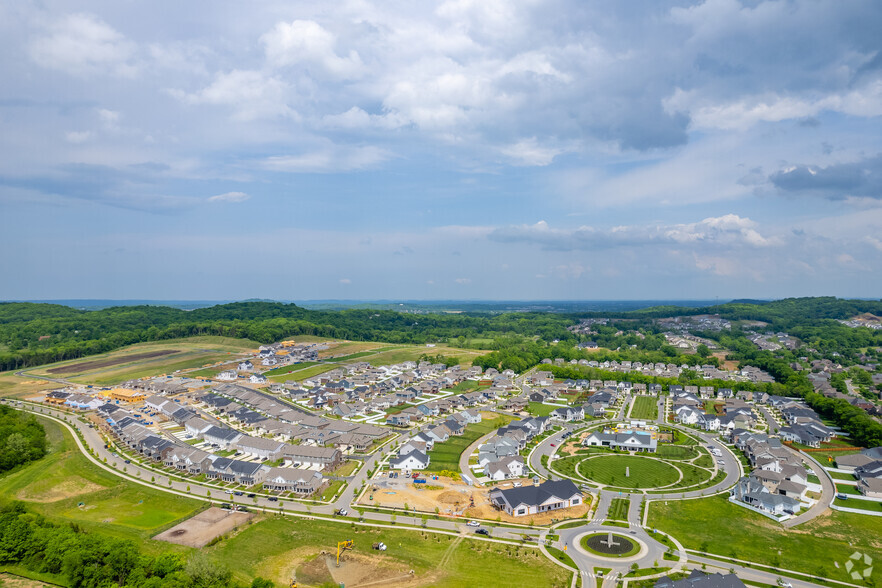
(83,44)
(725,231)
(345,281)
(230,197)
(306,42)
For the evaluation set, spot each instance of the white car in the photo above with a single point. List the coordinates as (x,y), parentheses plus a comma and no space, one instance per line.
(473,524)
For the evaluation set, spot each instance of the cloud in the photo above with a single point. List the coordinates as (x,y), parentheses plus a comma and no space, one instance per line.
(345,281)
(230,197)
(253,94)
(862,179)
(529,152)
(724,231)
(83,44)
(77,137)
(328,158)
(305,42)
(463,281)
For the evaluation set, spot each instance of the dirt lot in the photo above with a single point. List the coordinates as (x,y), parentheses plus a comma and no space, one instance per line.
(357,570)
(205,526)
(11,581)
(103,363)
(453,499)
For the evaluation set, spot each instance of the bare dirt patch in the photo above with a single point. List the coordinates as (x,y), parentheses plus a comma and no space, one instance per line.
(11,581)
(359,570)
(454,498)
(199,530)
(103,363)
(72,486)
(726,364)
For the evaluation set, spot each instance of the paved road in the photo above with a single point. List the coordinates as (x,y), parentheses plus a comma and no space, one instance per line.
(828,492)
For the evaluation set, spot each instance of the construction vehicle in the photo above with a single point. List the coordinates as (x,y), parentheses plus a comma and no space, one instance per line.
(343,546)
(379,546)
(293,584)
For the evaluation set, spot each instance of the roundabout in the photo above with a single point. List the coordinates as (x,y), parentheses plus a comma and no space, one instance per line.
(609,544)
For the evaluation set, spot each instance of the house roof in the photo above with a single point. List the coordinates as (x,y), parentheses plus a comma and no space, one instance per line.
(535,495)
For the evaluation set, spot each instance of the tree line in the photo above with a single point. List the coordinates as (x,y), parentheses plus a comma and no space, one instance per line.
(90,560)
(22,439)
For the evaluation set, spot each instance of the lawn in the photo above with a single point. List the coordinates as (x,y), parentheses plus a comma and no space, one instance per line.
(66,487)
(469,386)
(846,489)
(842,476)
(644,472)
(398,355)
(676,452)
(618,509)
(285,370)
(538,409)
(645,408)
(305,373)
(716,526)
(279,548)
(445,456)
(867,505)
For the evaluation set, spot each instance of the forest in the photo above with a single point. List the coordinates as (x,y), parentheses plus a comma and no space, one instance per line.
(22,439)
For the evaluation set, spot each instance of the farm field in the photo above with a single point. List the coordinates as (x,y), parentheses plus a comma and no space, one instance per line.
(148,359)
(445,456)
(645,408)
(65,487)
(716,526)
(283,549)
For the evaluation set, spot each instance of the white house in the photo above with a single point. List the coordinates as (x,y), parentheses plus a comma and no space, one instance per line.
(415,460)
(227,376)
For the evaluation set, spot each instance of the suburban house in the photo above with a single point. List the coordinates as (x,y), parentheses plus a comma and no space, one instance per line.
(631,441)
(415,460)
(528,500)
(309,456)
(221,437)
(294,480)
(511,466)
(260,447)
(568,414)
(752,492)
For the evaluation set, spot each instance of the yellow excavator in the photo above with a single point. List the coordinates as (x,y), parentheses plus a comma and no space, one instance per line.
(343,546)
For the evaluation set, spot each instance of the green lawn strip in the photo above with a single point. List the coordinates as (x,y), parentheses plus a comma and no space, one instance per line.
(278,546)
(66,487)
(562,557)
(704,461)
(677,452)
(346,469)
(286,369)
(445,456)
(813,479)
(469,386)
(639,573)
(645,408)
(573,524)
(846,489)
(618,509)
(867,505)
(716,526)
(621,524)
(842,476)
(305,373)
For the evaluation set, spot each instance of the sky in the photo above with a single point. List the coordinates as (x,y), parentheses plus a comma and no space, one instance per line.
(458,149)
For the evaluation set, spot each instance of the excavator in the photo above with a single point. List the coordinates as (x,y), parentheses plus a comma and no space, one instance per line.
(343,546)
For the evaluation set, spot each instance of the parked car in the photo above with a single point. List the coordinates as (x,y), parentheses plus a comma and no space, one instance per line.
(842,496)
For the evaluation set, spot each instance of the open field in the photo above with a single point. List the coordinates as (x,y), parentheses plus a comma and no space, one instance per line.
(303,373)
(148,359)
(539,409)
(716,526)
(281,549)
(645,408)
(23,386)
(445,456)
(65,487)
(343,348)
(413,353)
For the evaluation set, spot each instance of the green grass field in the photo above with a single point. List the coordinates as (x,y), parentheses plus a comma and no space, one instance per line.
(65,487)
(539,410)
(618,509)
(644,472)
(676,452)
(645,408)
(445,456)
(280,549)
(304,373)
(398,355)
(716,526)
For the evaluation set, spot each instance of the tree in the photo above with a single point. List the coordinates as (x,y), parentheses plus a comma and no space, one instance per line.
(262,583)
(702,350)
